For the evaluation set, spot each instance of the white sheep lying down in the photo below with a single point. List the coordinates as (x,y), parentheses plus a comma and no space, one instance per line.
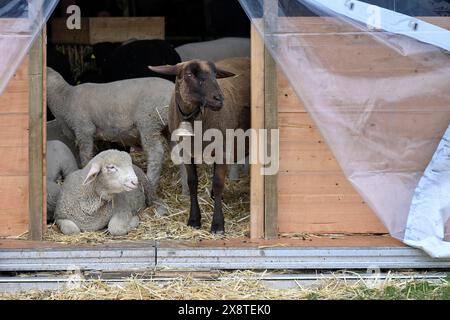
(60,163)
(131,112)
(108,192)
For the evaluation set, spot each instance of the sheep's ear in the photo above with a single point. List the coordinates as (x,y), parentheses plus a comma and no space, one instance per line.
(220,74)
(93,173)
(167,69)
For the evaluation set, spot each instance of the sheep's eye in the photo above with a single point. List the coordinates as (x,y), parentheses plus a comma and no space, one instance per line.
(111,168)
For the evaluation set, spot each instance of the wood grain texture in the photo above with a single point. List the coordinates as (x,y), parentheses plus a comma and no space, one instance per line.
(14,154)
(44,129)
(108,29)
(15,97)
(13,205)
(36,142)
(14,193)
(313,194)
(270,122)
(14,130)
(257,122)
(326,214)
(331,25)
(325,241)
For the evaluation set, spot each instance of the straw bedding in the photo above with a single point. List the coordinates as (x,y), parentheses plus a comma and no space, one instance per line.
(236,207)
(244,285)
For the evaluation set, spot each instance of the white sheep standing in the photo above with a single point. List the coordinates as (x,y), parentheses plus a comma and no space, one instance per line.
(60,163)
(108,192)
(215,50)
(131,112)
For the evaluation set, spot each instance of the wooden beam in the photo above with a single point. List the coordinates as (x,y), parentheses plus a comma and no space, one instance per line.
(257,122)
(36,139)
(44,128)
(270,122)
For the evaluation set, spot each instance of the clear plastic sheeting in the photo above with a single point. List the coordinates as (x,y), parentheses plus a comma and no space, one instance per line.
(20,22)
(430,206)
(380,99)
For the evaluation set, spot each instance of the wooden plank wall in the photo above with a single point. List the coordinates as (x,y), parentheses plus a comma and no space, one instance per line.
(313,194)
(22,136)
(108,29)
(14,154)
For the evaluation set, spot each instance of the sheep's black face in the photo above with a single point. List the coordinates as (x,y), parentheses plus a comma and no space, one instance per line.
(198,85)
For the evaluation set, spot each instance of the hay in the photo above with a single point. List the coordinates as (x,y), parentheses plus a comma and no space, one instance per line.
(243,285)
(173,226)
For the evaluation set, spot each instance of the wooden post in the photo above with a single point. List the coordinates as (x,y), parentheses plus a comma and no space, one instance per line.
(36,139)
(264,114)
(270,122)
(257,122)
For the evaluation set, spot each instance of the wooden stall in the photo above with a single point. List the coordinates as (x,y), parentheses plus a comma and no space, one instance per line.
(309,195)
(22,183)
(108,29)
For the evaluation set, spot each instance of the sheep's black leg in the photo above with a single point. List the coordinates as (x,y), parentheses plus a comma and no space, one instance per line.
(211,194)
(218,222)
(194,214)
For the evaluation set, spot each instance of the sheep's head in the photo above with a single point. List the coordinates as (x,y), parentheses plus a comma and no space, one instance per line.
(196,84)
(113,171)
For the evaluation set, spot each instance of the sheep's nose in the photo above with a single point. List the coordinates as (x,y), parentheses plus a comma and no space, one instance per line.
(134,182)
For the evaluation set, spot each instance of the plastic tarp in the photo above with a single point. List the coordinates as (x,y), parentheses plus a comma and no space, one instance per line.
(376,82)
(20,22)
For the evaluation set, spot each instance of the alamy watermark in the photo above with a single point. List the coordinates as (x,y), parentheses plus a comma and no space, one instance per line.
(236,147)
(73,21)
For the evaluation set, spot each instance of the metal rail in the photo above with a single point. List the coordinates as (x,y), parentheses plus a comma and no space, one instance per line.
(148,256)
(388,20)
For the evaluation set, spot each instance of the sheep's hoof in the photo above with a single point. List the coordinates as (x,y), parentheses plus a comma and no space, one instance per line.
(68,227)
(194,224)
(118,233)
(217,230)
(117,229)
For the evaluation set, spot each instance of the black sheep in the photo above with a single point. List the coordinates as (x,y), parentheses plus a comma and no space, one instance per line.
(95,61)
(60,63)
(131,60)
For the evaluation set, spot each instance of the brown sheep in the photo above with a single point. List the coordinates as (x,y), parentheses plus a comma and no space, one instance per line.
(220,99)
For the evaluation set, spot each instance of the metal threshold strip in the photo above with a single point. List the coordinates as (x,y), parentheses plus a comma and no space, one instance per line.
(380,18)
(145,257)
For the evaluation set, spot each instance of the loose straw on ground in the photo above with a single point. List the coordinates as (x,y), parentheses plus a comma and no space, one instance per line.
(246,285)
